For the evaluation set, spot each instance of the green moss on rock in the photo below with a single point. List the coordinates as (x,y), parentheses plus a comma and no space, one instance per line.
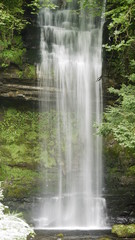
(23,153)
(60,236)
(124,231)
(21,73)
(29,72)
(18,182)
(119,166)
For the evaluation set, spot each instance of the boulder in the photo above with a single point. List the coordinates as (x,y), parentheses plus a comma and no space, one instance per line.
(124,231)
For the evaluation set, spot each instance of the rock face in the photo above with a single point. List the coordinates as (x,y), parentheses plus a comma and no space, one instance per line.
(22,87)
(120,208)
(13,86)
(20,82)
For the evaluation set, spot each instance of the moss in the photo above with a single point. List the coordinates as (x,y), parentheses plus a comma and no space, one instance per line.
(18,71)
(21,139)
(18,182)
(29,72)
(22,150)
(60,235)
(119,165)
(124,230)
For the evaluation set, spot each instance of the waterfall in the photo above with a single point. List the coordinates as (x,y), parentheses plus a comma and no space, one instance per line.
(70,65)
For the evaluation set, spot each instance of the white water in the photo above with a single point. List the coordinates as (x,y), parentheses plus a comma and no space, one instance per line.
(71,63)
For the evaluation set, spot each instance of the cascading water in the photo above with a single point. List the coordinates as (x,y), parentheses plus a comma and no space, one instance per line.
(70,66)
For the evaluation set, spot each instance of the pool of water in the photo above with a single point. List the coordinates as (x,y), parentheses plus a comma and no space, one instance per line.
(71,235)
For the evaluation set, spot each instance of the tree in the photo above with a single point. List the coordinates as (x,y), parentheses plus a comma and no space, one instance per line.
(12,22)
(119,119)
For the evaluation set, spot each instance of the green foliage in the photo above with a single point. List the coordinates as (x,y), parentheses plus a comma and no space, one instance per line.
(35,5)
(93,7)
(49,4)
(14,55)
(119,46)
(121,24)
(131,171)
(12,21)
(11,24)
(118,125)
(119,120)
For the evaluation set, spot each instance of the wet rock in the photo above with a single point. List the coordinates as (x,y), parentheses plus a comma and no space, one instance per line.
(22,85)
(120,208)
(104,238)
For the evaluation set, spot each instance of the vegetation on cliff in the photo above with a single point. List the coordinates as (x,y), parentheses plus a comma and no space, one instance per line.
(23,134)
(13,20)
(120,59)
(20,152)
(118,125)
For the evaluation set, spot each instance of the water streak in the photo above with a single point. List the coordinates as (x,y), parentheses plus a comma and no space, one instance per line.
(70,65)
